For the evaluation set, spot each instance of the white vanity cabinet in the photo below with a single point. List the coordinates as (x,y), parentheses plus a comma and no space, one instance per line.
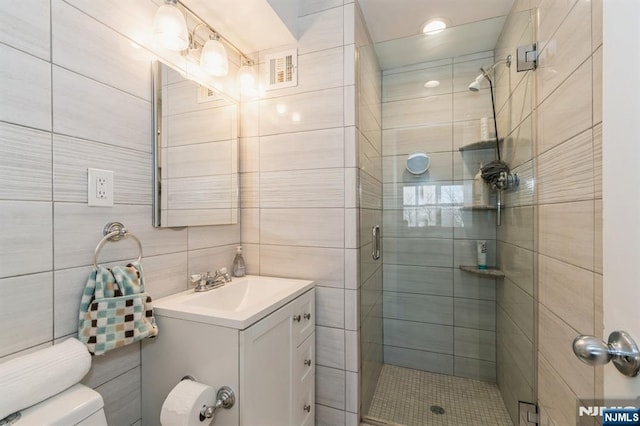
(277,367)
(270,365)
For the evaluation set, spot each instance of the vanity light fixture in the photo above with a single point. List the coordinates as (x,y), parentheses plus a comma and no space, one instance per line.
(214,57)
(247,78)
(435,26)
(170,27)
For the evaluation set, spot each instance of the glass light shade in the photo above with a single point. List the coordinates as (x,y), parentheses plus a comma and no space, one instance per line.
(434,26)
(170,28)
(214,58)
(247,80)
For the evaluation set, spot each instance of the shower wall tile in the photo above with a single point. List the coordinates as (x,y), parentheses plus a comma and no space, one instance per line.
(411,84)
(25,83)
(567,111)
(418,308)
(567,49)
(419,360)
(25,237)
(25,163)
(470,286)
(552,13)
(317,110)
(475,314)
(466,252)
(597,83)
(412,112)
(561,226)
(25,30)
(568,292)
(518,305)
(319,149)
(117,63)
(467,68)
(517,226)
(418,280)
(517,264)
(555,345)
(420,336)
(72,157)
(469,105)
(566,171)
(475,369)
(557,400)
(474,225)
(515,350)
(329,416)
(436,137)
(395,169)
(467,164)
(20,331)
(84,109)
(419,251)
(419,222)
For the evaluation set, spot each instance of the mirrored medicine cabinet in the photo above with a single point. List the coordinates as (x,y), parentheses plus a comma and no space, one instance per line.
(195,152)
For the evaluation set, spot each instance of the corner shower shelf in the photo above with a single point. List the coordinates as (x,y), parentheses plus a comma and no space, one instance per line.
(478,145)
(488,273)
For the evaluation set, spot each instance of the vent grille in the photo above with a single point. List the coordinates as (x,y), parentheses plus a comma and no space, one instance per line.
(283,69)
(206,94)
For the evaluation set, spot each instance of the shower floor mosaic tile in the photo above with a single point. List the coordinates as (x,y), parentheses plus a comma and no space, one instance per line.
(405,397)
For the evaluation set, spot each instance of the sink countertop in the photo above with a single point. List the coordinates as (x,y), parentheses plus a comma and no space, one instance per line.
(237,304)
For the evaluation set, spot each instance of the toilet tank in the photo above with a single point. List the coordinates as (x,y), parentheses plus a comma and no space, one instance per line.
(78,405)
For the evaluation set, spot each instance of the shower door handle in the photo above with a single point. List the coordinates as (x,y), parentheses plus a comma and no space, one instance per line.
(620,349)
(375,235)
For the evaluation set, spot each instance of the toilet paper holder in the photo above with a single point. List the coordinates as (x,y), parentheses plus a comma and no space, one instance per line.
(225,398)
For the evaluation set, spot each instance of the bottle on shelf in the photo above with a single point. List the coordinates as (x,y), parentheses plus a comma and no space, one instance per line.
(239,268)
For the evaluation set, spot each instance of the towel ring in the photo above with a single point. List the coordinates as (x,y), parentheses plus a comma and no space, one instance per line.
(115,231)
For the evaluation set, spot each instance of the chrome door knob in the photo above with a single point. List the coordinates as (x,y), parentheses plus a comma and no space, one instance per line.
(620,348)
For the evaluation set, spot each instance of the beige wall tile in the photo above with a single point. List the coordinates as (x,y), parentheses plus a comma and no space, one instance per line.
(122,398)
(517,265)
(568,292)
(407,85)
(21,331)
(305,150)
(567,111)
(320,31)
(302,188)
(555,344)
(597,243)
(25,83)
(302,227)
(565,172)
(471,105)
(431,138)
(25,30)
(557,401)
(518,305)
(412,112)
(565,50)
(597,85)
(564,232)
(25,163)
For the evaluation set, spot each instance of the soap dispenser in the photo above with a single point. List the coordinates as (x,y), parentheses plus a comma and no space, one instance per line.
(480,190)
(239,268)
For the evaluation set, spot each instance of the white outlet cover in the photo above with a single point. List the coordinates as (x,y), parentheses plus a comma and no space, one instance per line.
(100,188)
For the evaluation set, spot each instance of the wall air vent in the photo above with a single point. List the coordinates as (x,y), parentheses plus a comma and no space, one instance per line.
(282,69)
(206,94)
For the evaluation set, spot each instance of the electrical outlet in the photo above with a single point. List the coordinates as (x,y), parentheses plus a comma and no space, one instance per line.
(100,187)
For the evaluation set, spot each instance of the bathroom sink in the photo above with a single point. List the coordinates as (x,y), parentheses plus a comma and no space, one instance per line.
(237,304)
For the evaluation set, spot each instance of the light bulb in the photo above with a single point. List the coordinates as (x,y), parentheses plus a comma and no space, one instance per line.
(170,27)
(247,80)
(214,58)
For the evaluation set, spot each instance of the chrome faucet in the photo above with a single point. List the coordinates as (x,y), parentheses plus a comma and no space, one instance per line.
(206,282)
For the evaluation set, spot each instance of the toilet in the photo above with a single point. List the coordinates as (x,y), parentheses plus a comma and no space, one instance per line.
(78,405)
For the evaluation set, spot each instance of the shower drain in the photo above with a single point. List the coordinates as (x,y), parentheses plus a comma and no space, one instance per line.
(436,409)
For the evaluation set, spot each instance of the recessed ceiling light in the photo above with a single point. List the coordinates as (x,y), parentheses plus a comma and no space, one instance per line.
(434,26)
(431,84)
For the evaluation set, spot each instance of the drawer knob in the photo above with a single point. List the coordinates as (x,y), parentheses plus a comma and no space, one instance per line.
(307,408)
(307,362)
(297,318)
(307,316)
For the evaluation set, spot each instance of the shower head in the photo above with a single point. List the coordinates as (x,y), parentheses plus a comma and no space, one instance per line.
(475,84)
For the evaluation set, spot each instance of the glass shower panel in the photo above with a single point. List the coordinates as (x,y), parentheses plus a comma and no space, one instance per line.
(427,327)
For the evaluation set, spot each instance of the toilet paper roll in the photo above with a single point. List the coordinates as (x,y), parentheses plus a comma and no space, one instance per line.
(185,401)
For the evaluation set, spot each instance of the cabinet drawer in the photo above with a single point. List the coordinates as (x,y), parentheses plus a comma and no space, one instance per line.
(304,317)
(304,382)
